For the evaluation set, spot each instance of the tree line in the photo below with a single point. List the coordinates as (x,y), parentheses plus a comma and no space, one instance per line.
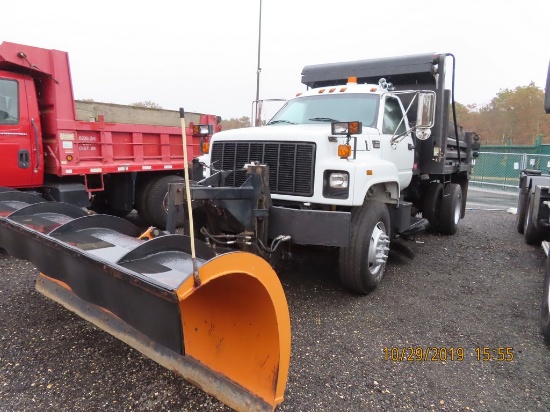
(512,117)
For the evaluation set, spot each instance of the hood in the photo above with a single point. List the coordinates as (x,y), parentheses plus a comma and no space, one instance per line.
(283,132)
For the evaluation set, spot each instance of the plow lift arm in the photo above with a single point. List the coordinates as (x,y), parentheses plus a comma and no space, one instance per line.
(229,335)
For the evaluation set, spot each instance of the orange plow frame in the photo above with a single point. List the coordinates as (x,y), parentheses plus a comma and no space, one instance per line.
(236,329)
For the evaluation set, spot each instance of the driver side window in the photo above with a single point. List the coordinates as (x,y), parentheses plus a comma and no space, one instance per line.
(9,104)
(393,116)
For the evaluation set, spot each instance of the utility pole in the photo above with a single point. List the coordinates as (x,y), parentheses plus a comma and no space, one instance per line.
(257,120)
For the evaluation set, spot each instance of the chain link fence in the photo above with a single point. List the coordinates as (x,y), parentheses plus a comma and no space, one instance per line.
(494,182)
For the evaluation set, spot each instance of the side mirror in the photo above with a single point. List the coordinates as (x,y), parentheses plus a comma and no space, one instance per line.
(425,113)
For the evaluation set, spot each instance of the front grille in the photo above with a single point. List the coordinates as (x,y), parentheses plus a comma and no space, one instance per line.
(291,165)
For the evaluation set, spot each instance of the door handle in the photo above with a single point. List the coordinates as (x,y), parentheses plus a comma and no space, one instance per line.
(23,159)
(37,142)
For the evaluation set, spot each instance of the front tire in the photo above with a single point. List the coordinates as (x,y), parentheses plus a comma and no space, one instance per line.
(363,261)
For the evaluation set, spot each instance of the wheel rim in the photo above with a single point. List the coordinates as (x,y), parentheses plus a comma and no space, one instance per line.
(378,250)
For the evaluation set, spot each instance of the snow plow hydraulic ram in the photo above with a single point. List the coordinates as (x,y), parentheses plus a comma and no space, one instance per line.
(229,334)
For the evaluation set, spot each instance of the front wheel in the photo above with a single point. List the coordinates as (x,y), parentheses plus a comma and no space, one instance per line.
(363,261)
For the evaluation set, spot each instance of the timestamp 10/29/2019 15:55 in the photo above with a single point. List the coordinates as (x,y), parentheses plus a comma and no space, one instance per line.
(450,353)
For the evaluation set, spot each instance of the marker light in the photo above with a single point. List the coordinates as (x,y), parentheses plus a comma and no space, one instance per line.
(205,147)
(344,151)
(202,129)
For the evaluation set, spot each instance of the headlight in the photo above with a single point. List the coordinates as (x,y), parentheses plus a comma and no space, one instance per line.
(335,184)
(338,180)
(346,128)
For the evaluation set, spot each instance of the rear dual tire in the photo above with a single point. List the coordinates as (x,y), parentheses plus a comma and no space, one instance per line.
(442,207)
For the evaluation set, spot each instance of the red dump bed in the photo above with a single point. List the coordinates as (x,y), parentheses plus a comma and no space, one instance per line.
(103,147)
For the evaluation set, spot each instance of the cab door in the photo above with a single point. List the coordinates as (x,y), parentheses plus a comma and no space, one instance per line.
(19,137)
(400,153)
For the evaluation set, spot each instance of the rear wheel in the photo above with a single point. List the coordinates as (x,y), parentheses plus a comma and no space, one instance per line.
(156,202)
(451,206)
(431,201)
(363,262)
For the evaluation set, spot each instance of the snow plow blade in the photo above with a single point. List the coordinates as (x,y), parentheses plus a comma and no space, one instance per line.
(230,335)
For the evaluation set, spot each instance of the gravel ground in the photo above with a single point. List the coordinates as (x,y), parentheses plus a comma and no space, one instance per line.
(479,288)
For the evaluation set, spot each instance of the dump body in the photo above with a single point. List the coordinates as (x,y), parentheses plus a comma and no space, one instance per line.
(96,152)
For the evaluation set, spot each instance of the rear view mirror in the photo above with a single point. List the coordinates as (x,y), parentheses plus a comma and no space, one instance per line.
(425,113)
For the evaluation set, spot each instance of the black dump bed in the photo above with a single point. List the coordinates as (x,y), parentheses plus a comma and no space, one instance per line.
(405,72)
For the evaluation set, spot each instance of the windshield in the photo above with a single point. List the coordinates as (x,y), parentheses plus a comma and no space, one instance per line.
(330,108)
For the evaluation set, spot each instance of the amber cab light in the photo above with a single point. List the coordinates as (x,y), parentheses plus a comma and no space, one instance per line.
(344,151)
(205,147)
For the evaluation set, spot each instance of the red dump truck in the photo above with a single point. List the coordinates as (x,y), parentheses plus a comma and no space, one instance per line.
(107,157)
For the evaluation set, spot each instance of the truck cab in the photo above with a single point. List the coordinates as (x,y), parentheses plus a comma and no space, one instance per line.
(20,154)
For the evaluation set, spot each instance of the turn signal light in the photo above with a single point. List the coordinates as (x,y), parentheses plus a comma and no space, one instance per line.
(205,147)
(344,151)
(69,158)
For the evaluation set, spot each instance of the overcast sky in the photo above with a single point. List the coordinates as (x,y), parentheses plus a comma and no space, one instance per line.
(202,55)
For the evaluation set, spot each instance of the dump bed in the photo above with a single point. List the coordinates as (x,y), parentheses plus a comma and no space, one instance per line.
(104,146)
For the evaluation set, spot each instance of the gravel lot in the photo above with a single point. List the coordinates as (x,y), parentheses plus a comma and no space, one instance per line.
(479,288)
